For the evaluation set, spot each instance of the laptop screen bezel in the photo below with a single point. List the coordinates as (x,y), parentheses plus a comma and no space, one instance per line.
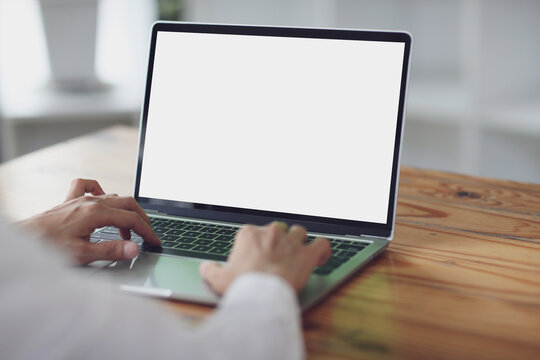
(259,217)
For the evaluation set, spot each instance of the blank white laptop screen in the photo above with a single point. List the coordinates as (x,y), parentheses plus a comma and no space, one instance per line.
(293,125)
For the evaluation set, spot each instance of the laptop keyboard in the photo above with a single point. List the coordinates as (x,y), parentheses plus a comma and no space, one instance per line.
(214,242)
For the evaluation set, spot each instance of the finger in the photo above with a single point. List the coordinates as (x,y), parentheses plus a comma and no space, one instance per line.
(246,232)
(277,228)
(216,276)
(272,235)
(125,234)
(319,251)
(102,216)
(125,203)
(107,250)
(298,233)
(79,187)
(280,224)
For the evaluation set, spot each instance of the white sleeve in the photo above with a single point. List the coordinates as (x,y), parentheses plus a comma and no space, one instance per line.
(48,312)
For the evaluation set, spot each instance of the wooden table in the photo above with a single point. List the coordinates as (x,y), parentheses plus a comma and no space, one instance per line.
(461,280)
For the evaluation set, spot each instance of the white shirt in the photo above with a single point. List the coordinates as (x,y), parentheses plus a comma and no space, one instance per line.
(49,312)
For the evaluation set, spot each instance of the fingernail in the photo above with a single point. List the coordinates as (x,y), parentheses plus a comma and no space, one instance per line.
(282,225)
(129,250)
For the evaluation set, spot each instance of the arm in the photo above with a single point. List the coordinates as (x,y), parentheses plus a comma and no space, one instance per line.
(48,312)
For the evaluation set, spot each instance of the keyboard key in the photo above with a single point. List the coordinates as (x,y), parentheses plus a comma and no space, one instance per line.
(191,239)
(345,254)
(217,250)
(184,246)
(193,227)
(207,236)
(202,248)
(336,261)
(208,229)
(324,270)
(200,241)
(186,239)
(170,237)
(108,236)
(168,244)
(352,247)
(226,231)
(220,244)
(109,230)
(227,238)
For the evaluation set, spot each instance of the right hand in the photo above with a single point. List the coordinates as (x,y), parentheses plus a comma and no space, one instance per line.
(271,249)
(70,224)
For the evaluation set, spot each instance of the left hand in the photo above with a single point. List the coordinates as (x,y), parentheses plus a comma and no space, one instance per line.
(272,249)
(70,224)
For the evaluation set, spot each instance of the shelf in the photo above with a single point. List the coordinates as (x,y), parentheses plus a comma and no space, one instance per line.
(35,114)
(443,102)
(121,55)
(40,104)
(520,118)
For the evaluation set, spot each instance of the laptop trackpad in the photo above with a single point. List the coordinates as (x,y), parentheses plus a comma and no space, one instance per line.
(162,276)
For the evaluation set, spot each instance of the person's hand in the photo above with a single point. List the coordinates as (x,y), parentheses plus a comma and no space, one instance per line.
(271,249)
(70,224)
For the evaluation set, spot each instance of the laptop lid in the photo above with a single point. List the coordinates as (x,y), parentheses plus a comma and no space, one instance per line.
(250,124)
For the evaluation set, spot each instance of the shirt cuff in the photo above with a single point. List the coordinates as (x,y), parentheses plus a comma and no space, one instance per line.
(268,291)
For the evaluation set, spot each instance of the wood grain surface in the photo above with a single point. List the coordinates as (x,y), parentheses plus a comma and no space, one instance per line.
(461,279)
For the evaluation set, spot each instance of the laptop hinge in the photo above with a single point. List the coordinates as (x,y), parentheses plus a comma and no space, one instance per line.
(153,212)
(373,237)
(364,236)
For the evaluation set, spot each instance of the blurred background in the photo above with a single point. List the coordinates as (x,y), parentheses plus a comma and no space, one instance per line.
(69,67)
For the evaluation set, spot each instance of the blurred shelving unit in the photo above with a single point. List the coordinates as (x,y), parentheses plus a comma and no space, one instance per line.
(36,114)
(474,93)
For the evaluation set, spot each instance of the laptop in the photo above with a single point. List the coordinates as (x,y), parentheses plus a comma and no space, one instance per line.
(252,124)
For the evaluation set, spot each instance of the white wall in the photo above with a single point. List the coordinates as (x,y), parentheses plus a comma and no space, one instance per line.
(36,113)
(474,99)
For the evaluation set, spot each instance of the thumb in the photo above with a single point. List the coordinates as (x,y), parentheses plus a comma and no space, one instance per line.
(108,250)
(216,275)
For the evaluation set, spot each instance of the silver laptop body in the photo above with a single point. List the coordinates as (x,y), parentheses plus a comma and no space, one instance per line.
(251,124)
